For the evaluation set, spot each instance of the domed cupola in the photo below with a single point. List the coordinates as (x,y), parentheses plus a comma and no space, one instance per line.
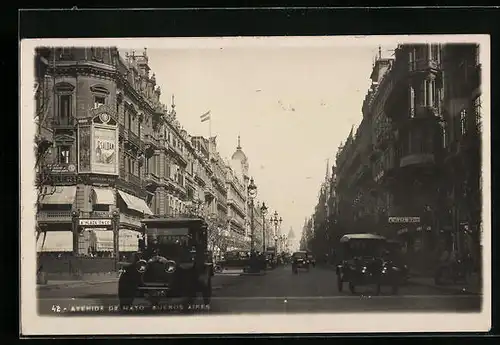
(239,160)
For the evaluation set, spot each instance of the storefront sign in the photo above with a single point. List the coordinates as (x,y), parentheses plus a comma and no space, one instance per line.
(67,168)
(104,150)
(404,219)
(94,222)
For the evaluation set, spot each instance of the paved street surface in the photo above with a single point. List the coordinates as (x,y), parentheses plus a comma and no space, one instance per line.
(279,291)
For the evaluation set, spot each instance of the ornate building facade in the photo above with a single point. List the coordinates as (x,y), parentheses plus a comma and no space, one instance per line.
(412,171)
(114,154)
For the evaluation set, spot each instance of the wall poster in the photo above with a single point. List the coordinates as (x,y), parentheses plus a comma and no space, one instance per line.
(84,149)
(104,150)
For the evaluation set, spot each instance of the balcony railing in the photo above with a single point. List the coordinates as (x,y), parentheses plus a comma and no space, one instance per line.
(134,139)
(151,140)
(65,122)
(422,65)
(150,177)
(133,179)
(54,216)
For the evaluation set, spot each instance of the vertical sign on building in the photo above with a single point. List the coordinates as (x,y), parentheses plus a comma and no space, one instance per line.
(84,149)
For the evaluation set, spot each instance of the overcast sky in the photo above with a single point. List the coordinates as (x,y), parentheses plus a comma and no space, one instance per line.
(292,107)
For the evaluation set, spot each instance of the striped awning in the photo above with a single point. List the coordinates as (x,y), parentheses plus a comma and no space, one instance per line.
(55,241)
(58,195)
(104,196)
(135,203)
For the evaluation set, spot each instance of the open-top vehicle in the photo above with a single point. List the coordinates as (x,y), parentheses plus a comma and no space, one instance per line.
(364,260)
(172,262)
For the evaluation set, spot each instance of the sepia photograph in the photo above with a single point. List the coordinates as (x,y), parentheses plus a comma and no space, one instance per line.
(285,184)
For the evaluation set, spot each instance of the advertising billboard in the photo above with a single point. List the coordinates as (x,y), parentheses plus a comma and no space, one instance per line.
(104,150)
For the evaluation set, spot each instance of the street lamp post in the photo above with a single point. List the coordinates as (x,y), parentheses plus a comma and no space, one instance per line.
(263,210)
(252,193)
(276,222)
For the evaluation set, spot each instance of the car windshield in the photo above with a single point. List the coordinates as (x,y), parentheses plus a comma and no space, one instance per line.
(299,255)
(366,248)
(172,243)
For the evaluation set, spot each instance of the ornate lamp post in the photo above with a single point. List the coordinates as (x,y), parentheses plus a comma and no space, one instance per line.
(277,221)
(252,193)
(263,211)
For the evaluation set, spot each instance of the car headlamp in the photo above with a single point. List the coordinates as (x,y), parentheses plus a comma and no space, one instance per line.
(170,266)
(141,266)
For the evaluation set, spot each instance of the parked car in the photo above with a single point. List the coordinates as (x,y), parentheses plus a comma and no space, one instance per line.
(364,260)
(173,262)
(299,260)
(235,259)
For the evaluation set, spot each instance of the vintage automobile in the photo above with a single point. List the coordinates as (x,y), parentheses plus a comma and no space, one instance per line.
(172,262)
(311,259)
(235,259)
(364,261)
(299,260)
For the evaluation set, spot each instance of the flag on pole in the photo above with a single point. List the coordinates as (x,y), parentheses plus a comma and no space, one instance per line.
(205,117)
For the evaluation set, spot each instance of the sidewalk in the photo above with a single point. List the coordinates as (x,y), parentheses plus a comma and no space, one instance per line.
(61,281)
(472,287)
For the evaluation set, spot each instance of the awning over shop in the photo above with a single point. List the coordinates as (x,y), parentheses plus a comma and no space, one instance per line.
(135,203)
(59,195)
(104,196)
(55,241)
(104,240)
(128,240)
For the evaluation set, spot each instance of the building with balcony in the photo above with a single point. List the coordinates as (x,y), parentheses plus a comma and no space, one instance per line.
(94,111)
(218,181)
(413,168)
(461,110)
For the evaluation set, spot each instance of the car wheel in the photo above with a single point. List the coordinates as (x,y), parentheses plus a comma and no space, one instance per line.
(352,288)
(340,283)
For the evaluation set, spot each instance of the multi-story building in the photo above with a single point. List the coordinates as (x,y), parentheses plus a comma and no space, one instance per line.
(219,183)
(462,144)
(413,168)
(92,194)
(113,154)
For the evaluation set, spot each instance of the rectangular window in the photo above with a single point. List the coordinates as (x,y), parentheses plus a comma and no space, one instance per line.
(64,109)
(463,121)
(129,165)
(98,101)
(63,154)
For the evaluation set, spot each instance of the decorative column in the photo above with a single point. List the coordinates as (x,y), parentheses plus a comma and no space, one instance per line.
(116,236)
(75,215)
